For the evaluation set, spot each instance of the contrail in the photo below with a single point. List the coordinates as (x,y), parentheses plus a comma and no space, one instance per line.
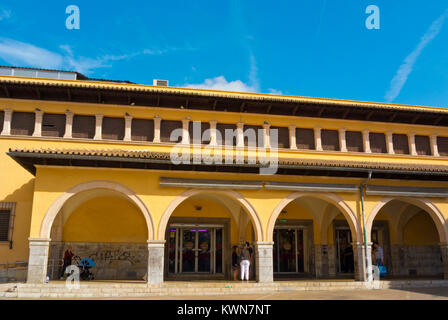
(406,67)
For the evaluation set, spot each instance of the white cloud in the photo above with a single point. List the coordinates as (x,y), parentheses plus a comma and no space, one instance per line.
(20,53)
(220,83)
(275,91)
(406,67)
(5,14)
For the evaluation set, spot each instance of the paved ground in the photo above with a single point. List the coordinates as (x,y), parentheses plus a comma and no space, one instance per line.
(389,294)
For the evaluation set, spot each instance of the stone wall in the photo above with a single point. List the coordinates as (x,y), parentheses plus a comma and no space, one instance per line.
(114,261)
(416,261)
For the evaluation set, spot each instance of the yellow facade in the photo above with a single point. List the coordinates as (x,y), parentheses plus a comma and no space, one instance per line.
(115,217)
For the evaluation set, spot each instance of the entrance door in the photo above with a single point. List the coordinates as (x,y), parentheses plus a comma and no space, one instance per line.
(344,250)
(289,250)
(195,249)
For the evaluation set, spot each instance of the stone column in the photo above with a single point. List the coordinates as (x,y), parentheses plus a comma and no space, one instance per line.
(321,260)
(240,135)
(157,121)
(213,141)
(98,127)
(263,261)
(292,137)
(444,253)
(331,260)
(389,142)
(359,257)
(366,140)
(68,124)
(266,135)
(127,127)
(38,123)
(156,250)
(342,140)
(411,140)
(434,147)
(185,132)
(38,260)
(7,122)
(317,138)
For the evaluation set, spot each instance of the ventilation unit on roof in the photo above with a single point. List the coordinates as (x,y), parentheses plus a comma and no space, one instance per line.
(160,83)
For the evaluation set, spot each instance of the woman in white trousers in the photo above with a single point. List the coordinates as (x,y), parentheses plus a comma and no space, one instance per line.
(245,262)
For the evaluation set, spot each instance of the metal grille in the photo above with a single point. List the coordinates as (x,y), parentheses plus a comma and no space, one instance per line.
(442,145)
(53,125)
(113,128)
(5,216)
(168,126)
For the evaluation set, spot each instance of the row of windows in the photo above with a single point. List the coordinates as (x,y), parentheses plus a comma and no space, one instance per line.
(53,125)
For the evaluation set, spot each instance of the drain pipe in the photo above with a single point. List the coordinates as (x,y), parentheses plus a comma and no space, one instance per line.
(361,191)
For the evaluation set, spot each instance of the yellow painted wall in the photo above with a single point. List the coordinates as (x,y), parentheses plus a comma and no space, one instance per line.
(106,219)
(421,230)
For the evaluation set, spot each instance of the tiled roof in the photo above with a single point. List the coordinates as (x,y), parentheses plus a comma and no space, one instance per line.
(125,155)
(130,87)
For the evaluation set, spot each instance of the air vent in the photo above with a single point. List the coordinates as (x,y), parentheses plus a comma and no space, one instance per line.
(160,83)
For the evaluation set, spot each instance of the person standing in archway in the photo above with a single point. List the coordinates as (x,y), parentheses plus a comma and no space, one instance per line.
(67,260)
(246,257)
(235,263)
(378,254)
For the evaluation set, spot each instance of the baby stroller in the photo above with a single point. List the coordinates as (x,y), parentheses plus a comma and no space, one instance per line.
(84,268)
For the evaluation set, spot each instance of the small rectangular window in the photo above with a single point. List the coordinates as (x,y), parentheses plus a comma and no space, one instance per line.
(353,141)
(330,140)
(401,143)
(305,139)
(377,142)
(422,145)
(6,221)
(442,145)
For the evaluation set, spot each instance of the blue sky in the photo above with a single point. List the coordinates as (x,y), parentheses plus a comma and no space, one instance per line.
(318,48)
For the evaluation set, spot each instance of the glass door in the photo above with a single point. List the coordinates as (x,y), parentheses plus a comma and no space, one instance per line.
(195,249)
(289,255)
(344,251)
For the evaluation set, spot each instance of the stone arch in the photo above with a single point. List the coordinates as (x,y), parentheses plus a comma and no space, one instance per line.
(246,205)
(329,197)
(423,203)
(56,206)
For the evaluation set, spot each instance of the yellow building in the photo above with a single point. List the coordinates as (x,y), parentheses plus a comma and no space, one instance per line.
(93,164)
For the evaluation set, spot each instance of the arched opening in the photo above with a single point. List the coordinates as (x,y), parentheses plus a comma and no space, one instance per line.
(313,237)
(410,232)
(104,223)
(200,232)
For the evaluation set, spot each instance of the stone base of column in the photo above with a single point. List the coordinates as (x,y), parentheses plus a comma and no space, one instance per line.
(263,261)
(156,250)
(359,256)
(321,260)
(38,260)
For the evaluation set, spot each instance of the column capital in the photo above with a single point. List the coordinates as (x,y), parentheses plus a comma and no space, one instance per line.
(213,122)
(69,113)
(37,241)
(8,111)
(127,116)
(342,129)
(99,116)
(156,243)
(292,126)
